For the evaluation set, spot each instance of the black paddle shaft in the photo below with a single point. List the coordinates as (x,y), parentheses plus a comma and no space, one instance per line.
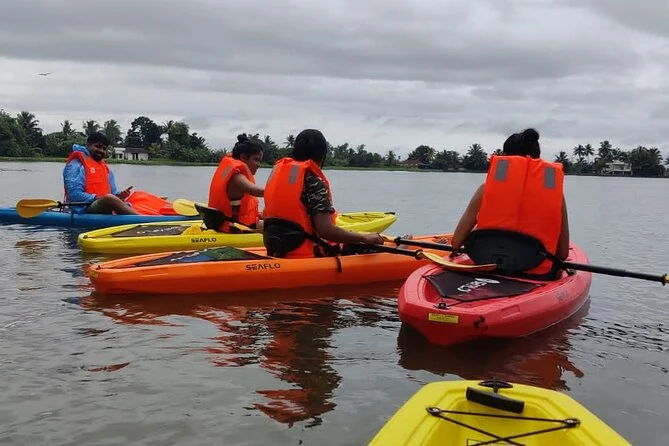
(390,249)
(575,266)
(74,203)
(429,245)
(614,272)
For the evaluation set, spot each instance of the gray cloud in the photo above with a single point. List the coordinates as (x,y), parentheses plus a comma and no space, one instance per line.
(647,16)
(380,72)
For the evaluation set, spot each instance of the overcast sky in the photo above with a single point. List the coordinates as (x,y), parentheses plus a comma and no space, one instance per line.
(387,73)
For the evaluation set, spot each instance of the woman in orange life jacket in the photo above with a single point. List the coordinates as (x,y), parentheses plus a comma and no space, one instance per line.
(299,212)
(547,218)
(233,190)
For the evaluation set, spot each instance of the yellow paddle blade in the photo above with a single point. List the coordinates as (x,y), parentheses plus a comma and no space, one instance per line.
(185,207)
(32,207)
(243,228)
(447,264)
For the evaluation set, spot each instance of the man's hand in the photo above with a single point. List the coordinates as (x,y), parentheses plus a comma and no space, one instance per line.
(125,193)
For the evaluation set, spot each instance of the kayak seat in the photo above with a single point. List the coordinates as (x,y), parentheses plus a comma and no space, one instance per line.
(213,218)
(282,236)
(511,251)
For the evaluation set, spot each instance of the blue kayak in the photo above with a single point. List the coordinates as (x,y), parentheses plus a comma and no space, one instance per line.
(8,216)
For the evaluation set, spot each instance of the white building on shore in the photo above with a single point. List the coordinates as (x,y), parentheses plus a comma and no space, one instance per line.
(130,153)
(617,168)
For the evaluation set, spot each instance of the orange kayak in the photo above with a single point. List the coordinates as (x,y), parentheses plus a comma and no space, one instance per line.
(229,269)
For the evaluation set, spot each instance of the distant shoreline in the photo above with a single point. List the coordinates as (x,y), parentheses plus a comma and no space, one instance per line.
(167,162)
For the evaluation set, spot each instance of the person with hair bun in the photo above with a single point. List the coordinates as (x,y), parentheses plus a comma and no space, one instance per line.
(233,189)
(522,194)
(299,212)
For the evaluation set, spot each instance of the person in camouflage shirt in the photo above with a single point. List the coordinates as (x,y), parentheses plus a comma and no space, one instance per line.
(315,196)
(311,145)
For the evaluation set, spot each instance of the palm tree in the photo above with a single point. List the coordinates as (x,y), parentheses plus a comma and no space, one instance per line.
(196,141)
(655,152)
(290,142)
(604,153)
(579,152)
(588,151)
(91,127)
(562,157)
(67,129)
(28,122)
(476,158)
(180,133)
(391,158)
(166,127)
(112,129)
(30,126)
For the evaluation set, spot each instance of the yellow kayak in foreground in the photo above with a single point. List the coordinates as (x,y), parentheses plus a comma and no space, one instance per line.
(468,413)
(149,238)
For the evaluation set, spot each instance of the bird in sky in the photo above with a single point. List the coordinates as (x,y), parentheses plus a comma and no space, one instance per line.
(44,74)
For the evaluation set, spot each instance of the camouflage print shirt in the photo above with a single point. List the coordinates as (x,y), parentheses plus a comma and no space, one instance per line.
(315,196)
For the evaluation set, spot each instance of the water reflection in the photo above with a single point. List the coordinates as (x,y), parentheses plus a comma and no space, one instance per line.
(539,360)
(287,333)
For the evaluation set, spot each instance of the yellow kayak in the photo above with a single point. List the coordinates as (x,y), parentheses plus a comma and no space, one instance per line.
(495,413)
(148,238)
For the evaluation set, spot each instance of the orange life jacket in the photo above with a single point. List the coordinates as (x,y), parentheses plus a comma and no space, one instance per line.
(149,204)
(97,174)
(282,196)
(524,195)
(247,213)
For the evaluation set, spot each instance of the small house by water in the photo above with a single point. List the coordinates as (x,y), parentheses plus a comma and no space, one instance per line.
(617,168)
(130,153)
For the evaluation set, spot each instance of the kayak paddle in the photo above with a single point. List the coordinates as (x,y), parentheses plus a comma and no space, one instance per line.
(187,208)
(32,207)
(663,279)
(434,258)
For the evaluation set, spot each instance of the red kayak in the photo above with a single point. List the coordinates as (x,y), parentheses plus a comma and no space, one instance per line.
(451,307)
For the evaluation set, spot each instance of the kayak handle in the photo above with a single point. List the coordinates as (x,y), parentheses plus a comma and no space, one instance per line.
(495,400)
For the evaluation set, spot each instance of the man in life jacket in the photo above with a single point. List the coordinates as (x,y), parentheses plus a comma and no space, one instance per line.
(233,190)
(88,179)
(518,217)
(299,214)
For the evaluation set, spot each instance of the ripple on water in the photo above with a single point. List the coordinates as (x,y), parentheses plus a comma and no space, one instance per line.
(321,366)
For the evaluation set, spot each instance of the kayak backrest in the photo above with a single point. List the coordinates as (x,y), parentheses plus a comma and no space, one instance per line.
(282,236)
(212,218)
(513,252)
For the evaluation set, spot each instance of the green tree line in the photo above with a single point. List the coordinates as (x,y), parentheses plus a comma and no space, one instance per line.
(21,136)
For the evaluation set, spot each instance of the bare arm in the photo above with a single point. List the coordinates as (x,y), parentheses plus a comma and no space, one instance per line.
(563,241)
(240,185)
(333,233)
(468,219)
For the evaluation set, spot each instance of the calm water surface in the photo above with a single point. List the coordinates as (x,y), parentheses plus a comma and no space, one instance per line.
(320,367)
